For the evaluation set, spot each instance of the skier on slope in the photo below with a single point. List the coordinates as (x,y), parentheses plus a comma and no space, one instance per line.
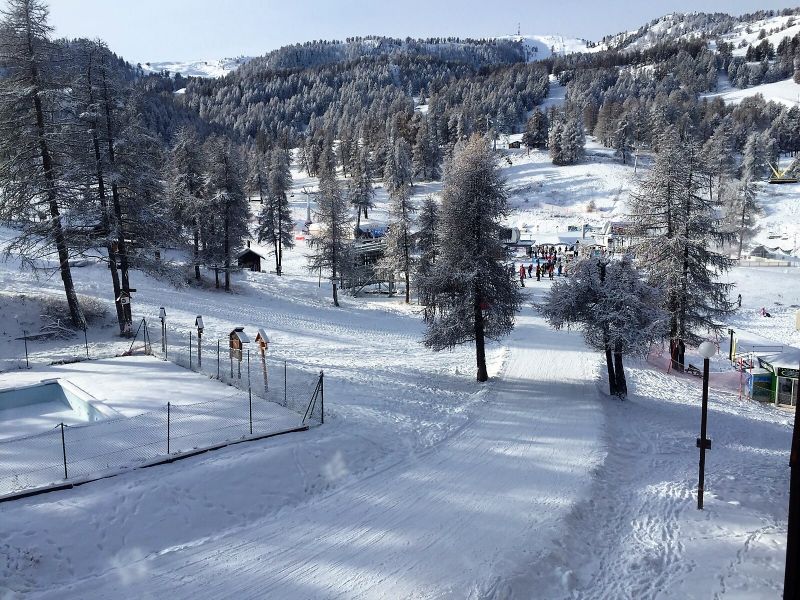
(522,275)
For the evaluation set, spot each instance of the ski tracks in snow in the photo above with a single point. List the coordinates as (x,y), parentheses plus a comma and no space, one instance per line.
(458,519)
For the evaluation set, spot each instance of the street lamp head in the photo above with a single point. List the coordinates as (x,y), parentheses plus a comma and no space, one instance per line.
(707,349)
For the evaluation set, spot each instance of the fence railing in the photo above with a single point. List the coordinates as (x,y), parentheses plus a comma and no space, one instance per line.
(270,398)
(74,452)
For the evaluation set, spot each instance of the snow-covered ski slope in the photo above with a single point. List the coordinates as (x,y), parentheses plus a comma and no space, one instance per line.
(423,483)
(785,92)
(211,68)
(449,523)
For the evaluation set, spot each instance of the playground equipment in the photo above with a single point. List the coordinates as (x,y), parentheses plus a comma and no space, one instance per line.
(785,175)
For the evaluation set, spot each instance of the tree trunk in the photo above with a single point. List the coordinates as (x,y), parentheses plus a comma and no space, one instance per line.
(406,258)
(101,193)
(480,342)
(75,311)
(612,379)
(619,372)
(196,257)
(122,247)
(335,295)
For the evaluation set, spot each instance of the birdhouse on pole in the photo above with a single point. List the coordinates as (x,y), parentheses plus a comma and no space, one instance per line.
(198,322)
(237,340)
(262,339)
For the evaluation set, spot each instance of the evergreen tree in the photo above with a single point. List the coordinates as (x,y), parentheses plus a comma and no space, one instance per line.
(677,227)
(573,142)
(472,296)
(360,191)
(185,181)
(275,219)
(35,186)
(397,179)
(224,187)
(554,141)
(330,246)
(535,135)
(618,312)
(718,152)
(742,212)
(427,248)
(87,95)
(425,154)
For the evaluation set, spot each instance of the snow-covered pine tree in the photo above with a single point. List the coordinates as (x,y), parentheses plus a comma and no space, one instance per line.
(742,212)
(535,135)
(361,194)
(720,160)
(472,297)
(678,231)
(275,219)
(555,140)
(426,157)
(427,248)
(185,180)
(34,180)
(573,141)
(617,311)
(622,139)
(257,173)
(137,196)
(86,94)
(397,180)
(330,247)
(227,201)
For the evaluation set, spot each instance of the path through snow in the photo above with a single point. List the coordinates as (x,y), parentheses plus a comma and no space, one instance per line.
(454,521)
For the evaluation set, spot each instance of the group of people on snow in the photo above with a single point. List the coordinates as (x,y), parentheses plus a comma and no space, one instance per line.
(551,267)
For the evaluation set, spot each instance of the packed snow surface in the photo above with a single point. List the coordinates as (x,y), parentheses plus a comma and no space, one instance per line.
(423,483)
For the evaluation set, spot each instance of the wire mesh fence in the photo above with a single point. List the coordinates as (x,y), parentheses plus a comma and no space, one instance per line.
(247,369)
(70,452)
(268,398)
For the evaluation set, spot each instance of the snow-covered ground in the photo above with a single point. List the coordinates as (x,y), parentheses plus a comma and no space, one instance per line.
(423,483)
(785,92)
(211,68)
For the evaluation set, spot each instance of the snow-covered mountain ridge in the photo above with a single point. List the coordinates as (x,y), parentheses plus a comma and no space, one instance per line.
(198,68)
(741,31)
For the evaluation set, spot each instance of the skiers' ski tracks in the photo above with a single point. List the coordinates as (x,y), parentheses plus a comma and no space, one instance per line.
(452,521)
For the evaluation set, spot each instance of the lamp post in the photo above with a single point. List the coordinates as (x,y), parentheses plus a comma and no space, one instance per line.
(162,315)
(198,322)
(707,350)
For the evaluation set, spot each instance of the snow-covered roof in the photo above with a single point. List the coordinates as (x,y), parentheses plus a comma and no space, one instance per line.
(788,359)
(255,249)
(262,335)
(555,239)
(240,335)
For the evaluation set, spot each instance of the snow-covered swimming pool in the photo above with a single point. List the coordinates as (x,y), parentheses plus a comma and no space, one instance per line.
(28,409)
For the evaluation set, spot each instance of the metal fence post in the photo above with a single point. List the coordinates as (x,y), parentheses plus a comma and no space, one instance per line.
(25,339)
(168,424)
(249,392)
(322,398)
(64,451)
(190,350)
(284,384)
(85,341)
(218,360)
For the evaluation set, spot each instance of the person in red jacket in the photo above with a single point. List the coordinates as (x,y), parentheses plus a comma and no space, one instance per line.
(522,275)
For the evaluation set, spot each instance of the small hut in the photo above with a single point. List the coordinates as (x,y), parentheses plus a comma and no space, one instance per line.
(784,369)
(251,258)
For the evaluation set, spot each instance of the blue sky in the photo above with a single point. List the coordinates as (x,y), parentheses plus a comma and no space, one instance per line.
(142,30)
